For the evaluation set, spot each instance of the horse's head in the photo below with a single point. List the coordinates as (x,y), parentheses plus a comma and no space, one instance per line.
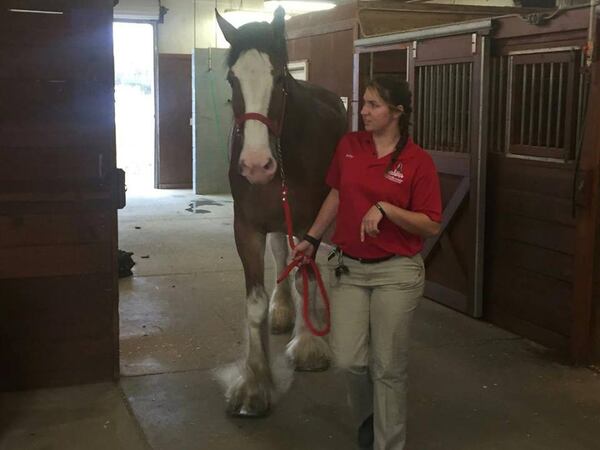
(257,73)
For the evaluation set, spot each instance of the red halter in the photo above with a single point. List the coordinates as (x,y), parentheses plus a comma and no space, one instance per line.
(239,121)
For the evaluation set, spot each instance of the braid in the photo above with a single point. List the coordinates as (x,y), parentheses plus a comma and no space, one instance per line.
(403,123)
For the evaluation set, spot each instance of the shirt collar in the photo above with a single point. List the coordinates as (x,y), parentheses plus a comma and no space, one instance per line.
(366,138)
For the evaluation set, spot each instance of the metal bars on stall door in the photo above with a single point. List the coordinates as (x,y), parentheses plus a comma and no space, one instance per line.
(540,90)
(443,107)
(535,103)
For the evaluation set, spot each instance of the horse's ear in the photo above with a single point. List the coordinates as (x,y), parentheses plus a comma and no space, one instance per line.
(279,22)
(229,31)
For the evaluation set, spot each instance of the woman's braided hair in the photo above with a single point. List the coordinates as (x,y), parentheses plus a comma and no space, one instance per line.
(395,92)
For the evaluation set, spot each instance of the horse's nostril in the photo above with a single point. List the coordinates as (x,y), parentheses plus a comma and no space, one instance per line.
(269,165)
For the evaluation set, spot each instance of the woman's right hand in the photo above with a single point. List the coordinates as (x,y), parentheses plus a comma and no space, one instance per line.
(304,248)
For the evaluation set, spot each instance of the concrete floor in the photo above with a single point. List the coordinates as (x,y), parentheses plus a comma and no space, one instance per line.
(473,386)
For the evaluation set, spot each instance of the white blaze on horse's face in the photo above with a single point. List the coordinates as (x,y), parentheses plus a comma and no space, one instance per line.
(253,69)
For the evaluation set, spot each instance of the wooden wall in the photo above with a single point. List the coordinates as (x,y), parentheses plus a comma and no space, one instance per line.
(174,115)
(326,40)
(58,195)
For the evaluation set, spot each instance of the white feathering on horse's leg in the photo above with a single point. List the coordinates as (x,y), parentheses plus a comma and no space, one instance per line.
(249,393)
(250,385)
(307,351)
(231,376)
(281,307)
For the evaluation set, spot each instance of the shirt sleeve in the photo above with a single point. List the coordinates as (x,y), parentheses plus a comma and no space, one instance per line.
(426,194)
(334,173)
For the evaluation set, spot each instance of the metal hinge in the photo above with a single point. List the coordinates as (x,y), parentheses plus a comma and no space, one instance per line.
(414,49)
(474,43)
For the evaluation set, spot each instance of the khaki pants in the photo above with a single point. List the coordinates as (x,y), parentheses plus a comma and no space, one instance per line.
(371,311)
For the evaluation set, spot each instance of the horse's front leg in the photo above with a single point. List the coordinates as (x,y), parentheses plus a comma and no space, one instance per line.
(307,351)
(250,395)
(281,307)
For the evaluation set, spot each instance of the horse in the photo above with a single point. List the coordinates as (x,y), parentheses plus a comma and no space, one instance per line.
(284,130)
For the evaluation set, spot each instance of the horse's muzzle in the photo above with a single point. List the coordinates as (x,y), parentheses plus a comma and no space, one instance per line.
(258,170)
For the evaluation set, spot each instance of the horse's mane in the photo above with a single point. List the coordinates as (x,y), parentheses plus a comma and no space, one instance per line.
(260,36)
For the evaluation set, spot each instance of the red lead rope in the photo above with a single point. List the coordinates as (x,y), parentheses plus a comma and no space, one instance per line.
(297,262)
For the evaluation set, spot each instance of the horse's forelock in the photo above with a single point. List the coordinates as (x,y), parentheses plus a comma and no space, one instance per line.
(259,36)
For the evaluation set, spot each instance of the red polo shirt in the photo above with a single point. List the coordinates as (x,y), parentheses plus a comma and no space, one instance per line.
(362,180)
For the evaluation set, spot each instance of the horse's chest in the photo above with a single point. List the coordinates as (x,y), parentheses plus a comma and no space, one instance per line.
(259,206)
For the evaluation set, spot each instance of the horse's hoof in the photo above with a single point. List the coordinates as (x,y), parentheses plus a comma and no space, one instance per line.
(248,399)
(248,414)
(309,353)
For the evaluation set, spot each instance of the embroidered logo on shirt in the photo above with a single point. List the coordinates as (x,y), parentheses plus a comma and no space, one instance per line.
(349,155)
(395,175)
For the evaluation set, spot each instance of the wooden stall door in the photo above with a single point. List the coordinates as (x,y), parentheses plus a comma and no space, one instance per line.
(448,83)
(534,246)
(174,115)
(59,191)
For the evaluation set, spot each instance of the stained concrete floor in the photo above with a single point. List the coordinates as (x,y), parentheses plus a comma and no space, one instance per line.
(472,386)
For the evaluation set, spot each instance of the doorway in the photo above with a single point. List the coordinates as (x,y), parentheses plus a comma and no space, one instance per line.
(135,103)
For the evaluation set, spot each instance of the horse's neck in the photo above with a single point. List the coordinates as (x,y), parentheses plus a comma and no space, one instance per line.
(295,91)
(297,109)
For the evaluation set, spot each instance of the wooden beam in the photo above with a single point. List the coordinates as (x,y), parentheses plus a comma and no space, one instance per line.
(451,208)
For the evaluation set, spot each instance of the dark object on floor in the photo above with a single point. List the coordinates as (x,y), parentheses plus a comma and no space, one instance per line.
(126,262)
(366,435)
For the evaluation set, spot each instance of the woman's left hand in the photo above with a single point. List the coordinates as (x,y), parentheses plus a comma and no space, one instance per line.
(370,223)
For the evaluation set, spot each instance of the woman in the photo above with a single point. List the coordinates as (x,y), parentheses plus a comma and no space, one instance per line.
(385,196)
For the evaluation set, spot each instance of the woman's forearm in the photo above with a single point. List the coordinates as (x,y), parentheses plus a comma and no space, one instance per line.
(413,222)
(326,214)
